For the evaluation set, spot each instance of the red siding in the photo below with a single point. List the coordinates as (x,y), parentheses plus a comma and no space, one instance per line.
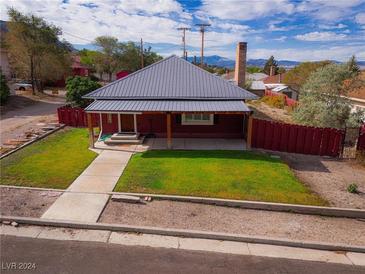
(226,126)
(110,127)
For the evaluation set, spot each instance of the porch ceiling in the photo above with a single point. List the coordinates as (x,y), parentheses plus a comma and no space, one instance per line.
(166,106)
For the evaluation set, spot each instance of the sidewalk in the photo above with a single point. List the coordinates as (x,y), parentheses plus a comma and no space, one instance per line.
(100,176)
(158,241)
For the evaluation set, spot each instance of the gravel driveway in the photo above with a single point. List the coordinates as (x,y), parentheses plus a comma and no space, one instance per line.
(329,178)
(23,113)
(182,215)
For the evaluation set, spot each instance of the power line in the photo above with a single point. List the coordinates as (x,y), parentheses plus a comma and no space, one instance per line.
(202,30)
(184,29)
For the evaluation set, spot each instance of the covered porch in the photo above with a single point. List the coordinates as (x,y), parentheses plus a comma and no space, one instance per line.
(178,144)
(170,125)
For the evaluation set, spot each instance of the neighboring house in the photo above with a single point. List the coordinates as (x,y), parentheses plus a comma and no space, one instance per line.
(172,98)
(274,83)
(79,69)
(122,73)
(257,86)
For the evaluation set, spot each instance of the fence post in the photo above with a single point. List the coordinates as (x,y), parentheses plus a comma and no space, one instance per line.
(91,130)
(249,132)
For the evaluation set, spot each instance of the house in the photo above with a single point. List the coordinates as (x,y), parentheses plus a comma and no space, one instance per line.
(78,69)
(274,83)
(171,98)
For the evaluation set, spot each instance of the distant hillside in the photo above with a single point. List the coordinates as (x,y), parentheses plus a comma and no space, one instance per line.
(216,60)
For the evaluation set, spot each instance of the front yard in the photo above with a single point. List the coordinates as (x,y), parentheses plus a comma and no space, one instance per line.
(53,162)
(223,174)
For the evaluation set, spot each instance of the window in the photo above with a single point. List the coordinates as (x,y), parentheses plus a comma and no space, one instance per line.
(109,118)
(197,119)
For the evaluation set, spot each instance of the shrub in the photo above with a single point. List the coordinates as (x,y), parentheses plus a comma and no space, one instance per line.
(4,89)
(77,87)
(352,188)
(276,101)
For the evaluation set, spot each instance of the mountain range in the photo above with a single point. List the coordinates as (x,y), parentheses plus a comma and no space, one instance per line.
(216,60)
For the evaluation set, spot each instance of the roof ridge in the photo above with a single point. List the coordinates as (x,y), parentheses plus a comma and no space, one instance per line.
(133,73)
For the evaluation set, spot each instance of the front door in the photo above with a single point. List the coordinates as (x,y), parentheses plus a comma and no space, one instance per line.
(127,122)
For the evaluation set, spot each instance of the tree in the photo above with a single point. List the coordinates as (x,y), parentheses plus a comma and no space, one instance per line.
(131,57)
(353,66)
(281,70)
(35,52)
(77,87)
(271,62)
(253,69)
(4,89)
(323,101)
(297,76)
(109,59)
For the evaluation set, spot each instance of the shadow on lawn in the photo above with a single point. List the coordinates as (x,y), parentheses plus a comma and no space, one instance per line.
(218,154)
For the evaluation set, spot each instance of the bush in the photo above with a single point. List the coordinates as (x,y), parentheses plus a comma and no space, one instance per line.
(77,87)
(4,89)
(353,188)
(276,101)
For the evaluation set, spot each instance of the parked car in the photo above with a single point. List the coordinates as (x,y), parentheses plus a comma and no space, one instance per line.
(23,85)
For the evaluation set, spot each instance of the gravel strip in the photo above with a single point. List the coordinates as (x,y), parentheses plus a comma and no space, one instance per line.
(182,215)
(25,202)
(329,178)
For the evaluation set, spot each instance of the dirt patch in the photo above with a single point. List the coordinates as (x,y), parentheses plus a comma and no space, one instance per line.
(265,112)
(25,202)
(329,178)
(181,215)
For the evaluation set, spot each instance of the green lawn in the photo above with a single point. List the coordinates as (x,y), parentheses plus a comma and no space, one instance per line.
(53,162)
(223,174)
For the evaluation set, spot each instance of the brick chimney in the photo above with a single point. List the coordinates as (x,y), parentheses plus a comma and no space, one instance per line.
(240,67)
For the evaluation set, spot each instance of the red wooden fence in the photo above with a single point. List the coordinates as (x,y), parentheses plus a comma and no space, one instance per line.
(75,117)
(296,139)
(288,101)
(361,140)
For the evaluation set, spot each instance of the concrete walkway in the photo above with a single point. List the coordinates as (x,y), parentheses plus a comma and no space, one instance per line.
(179,144)
(100,176)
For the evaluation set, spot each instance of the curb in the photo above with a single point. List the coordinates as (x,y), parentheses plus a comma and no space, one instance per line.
(280,207)
(32,141)
(185,233)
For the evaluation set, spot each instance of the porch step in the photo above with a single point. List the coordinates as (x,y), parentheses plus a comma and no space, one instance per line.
(125,136)
(110,141)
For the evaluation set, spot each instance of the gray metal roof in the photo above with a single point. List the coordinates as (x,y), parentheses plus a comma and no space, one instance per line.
(169,79)
(166,105)
(257,85)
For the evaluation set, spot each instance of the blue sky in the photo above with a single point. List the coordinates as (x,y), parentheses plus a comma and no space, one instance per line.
(292,30)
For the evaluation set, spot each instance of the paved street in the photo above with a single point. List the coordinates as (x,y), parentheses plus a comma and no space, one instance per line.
(52,256)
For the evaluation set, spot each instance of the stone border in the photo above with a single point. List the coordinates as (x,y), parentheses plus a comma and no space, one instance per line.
(280,207)
(185,233)
(32,141)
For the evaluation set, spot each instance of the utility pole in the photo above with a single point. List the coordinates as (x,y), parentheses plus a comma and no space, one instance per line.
(142,61)
(184,29)
(202,30)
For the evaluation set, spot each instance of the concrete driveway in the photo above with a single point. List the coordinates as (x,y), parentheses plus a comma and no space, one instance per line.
(80,203)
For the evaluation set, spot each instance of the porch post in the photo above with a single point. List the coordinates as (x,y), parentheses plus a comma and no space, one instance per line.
(119,124)
(168,123)
(135,122)
(249,131)
(100,122)
(91,130)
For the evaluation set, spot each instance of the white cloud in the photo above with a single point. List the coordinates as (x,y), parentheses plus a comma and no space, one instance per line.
(328,10)
(338,26)
(360,18)
(339,53)
(238,10)
(280,39)
(321,36)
